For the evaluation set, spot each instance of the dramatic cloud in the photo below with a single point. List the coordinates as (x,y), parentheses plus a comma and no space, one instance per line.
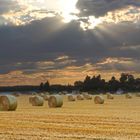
(120,64)
(48,47)
(7,5)
(95,12)
(91,13)
(18,12)
(35,43)
(102,7)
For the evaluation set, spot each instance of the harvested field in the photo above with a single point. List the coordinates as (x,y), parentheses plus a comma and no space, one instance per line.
(117,119)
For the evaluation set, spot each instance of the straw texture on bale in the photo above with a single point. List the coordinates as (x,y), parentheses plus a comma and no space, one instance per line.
(36,100)
(109,96)
(55,101)
(8,103)
(34,93)
(41,94)
(71,98)
(98,99)
(87,96)
(60,93)
(46,93)
(128,96)
(80,97)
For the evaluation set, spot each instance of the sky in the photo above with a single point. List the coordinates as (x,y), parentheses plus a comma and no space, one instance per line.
(64,40)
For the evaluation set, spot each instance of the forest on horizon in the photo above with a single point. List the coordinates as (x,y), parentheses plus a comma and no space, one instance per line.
(126,83)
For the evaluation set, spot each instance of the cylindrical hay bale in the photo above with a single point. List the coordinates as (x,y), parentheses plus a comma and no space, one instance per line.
(71,98)
(34,93)
(80,97)
(46,93)
(64,92)
(87,96)
(46,97)
(109,96)
(36,100)
(98,99)
(55,101)
(41,94)
(137,94)
(8,103)
(128,96)
(60,93)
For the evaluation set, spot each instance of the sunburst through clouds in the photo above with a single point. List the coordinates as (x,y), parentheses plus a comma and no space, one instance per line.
(68,39)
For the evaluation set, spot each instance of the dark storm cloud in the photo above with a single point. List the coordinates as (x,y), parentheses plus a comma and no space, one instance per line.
(101,7)
(23,47)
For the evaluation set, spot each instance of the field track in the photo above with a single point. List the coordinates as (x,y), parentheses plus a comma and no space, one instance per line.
(117,119)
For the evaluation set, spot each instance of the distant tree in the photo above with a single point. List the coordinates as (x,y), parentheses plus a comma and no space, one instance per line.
(78,85)
(87,79)
(137,84)
(126,82)
(98,77)
(87,85)
(131,79)
(123,77)
(113,84)
(41,87)
(47,86)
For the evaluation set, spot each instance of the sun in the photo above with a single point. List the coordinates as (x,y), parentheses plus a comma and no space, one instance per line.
(68,6)
(68,12)
(68,9)
(39,9)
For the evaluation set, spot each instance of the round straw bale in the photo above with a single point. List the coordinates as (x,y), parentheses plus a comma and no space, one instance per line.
(87,96)
(128,96)
(41,94)
(8,103)
(46,93)
(64,92)
(71,98)
(55,101)
(109,96)
(137,94)
(80,97)
(34,93)
(98,99)
(60,93)
(36,100)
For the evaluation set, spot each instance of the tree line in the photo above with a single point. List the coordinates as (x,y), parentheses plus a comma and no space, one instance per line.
(126,82)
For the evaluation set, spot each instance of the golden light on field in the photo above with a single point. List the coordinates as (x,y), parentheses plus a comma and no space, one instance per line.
(116,119)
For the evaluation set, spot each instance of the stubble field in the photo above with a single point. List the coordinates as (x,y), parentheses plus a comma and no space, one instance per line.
(117,119)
